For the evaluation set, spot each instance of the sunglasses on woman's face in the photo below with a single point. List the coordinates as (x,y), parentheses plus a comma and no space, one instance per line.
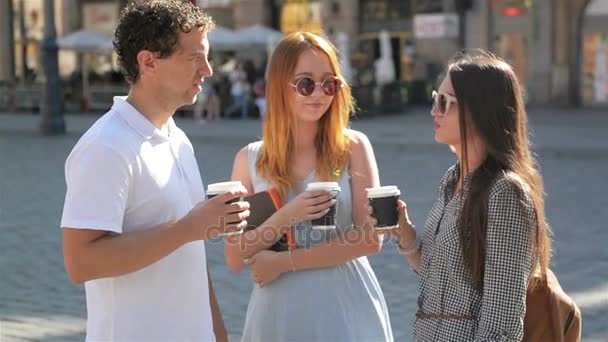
(305,86)
(442,102)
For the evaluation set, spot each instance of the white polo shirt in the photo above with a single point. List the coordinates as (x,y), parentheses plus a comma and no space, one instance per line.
(124,175)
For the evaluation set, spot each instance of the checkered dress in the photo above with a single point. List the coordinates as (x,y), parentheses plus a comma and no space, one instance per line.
(449,307)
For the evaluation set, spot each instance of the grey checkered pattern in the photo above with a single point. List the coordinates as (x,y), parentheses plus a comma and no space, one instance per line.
(497,312)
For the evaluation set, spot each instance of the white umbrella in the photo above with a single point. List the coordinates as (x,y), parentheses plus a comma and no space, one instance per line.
(271,44)
(384,66)
(223,39)
(257,35)
(86,41)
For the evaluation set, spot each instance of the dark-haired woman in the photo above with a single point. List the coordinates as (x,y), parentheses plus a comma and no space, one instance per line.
(486,233)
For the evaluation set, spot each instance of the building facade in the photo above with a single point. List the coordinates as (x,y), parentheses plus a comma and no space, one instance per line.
(543,40)
(559,48)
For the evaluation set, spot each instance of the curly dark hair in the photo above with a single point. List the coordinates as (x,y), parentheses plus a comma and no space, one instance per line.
(154,25)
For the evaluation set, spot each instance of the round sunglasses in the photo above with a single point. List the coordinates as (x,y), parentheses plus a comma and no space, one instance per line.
(442,102)
(305,86)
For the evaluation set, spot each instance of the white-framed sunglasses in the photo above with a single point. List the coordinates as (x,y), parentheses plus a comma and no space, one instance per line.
(442,102)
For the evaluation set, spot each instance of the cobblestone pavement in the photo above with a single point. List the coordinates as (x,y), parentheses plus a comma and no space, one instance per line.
(38,302)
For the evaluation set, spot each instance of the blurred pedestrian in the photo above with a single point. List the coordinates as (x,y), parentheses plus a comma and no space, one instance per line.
(259,91)
(213,103)
(238,91)
(200,110)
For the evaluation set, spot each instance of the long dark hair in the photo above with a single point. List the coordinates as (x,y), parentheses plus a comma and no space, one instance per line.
(490,100)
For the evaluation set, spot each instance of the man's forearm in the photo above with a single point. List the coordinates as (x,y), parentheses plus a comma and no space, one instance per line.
(116,255)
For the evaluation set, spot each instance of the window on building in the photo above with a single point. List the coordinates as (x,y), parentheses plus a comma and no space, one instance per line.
(377,10)
(428,6)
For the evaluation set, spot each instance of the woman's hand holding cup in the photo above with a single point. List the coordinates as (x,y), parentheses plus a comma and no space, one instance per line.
(389,213)
(307,206)
(405,233)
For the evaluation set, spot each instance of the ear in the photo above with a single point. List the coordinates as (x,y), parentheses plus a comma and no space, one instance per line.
(146,62)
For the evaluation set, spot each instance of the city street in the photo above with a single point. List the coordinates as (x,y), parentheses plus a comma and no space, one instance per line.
(39,303)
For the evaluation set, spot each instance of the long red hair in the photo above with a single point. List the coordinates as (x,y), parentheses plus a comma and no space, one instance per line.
(332,143)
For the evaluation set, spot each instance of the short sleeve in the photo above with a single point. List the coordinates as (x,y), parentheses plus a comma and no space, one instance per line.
(97,179)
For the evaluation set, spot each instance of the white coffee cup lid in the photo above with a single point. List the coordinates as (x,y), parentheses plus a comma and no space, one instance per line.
(320,186)
(223,187)
(383,191)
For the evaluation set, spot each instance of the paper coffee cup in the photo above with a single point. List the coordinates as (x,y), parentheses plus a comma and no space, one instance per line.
(384,202)
(221,188)
(216,189)
(327,221)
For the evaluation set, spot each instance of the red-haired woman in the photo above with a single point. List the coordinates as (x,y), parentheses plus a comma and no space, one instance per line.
(325,290)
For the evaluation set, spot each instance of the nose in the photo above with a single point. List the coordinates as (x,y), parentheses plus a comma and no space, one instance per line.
(205,68)
(434,112)
(318,91)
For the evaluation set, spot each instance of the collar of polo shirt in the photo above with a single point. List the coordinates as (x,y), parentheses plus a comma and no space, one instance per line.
(139,122)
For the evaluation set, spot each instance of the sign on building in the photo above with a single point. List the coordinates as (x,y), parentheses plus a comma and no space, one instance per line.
(100,17)
(441,25)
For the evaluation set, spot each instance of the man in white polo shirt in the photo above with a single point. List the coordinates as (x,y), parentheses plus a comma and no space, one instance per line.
(134,217)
